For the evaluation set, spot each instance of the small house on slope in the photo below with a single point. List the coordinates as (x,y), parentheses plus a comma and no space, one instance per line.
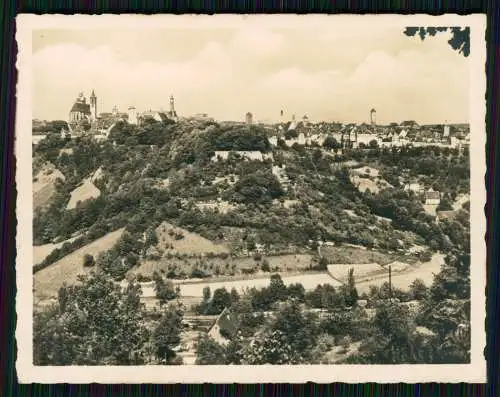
(445,215)
(432,197)
(224,327)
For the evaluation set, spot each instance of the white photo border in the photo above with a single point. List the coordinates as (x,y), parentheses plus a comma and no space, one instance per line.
(475,372)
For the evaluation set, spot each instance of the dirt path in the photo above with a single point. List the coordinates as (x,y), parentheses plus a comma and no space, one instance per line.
(309,281)
(424,271)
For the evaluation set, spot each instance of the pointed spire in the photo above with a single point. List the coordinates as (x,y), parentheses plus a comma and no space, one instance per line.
(93,93)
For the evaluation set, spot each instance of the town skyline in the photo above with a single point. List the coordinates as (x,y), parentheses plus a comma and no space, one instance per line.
(231,72)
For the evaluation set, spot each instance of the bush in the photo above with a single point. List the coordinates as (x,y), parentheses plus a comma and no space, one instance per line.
(88,260)
(143,279)
(265,266)
(425,256)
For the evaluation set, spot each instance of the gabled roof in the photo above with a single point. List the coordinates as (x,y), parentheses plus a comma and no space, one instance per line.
(227,321)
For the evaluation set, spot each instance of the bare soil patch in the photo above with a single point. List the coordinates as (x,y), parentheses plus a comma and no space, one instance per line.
(82,193)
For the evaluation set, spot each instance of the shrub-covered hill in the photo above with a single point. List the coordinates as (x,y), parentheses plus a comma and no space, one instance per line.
(283,203)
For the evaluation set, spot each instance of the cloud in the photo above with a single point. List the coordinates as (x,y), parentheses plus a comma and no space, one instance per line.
(263,71)
(256,41)
(398,86)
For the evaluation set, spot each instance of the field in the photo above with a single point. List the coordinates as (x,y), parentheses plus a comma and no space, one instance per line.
(44,184)
(227,265)
(181,241)
(355,255)
(48,281)
(83,192)
(361,271)
(403,279)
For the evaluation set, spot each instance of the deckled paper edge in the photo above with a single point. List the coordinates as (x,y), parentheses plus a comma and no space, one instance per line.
(28,373)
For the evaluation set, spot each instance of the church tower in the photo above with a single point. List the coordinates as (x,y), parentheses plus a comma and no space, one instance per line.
(172,114)
(172,105)
(373,117)
(93,106)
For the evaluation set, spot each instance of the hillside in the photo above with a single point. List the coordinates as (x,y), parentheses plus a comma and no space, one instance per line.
(169,236)
(65,271)
(190,214)
(44,184)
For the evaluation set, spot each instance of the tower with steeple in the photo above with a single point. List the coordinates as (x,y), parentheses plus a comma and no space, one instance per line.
(172,114)
(93,106)
(373,117)
(172,104)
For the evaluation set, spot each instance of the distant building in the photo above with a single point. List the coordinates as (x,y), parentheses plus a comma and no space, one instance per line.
(414,187)
(432,197)
(155,115)
(132,115)
(373,117)
(446,131)
(246,155)
(444,215)
(305,121)
(172,113)
(93,106)
(83,111)
(249,118)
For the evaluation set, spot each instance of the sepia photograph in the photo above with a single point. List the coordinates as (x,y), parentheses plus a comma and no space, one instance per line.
(261,198)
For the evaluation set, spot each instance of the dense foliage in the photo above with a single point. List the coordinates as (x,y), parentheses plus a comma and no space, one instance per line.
(302,198)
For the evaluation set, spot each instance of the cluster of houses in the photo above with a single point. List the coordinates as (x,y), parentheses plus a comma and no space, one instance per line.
(365,135)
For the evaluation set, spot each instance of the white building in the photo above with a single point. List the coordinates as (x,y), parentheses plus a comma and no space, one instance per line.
(247,155)
(132,115)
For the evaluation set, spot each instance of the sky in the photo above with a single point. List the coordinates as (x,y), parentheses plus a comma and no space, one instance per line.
(331,74)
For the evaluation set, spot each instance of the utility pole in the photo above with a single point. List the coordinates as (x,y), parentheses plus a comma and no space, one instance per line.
(390,284)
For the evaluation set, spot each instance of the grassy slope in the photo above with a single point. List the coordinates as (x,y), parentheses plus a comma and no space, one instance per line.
(48,281)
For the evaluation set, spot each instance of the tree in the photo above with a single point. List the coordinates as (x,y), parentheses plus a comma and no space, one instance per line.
(151,238)
(323,263)
(277,289)
(209,352)
(351,293)
(296,291)
(95,323)
(167,334)
(460,40)
(418,289)
(88,260)
(235,296)
(220,300)
(394,340)
(296,330)
(206,294)
(165,291)
(331,143)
